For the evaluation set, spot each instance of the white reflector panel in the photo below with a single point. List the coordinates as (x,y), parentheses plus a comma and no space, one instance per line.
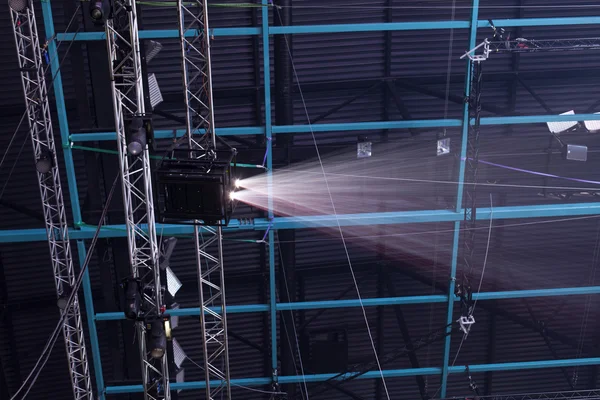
(592,126)
(155,94)
(179,355)
(173,283)
(558,127)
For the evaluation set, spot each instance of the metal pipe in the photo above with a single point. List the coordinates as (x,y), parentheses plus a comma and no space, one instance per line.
(393,373)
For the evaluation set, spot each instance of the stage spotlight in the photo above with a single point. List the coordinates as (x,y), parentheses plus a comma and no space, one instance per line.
(232,195)
(45,162)
(158,338)
(17,5)
(137,137)
(133,298)
(99,11)
(237,183)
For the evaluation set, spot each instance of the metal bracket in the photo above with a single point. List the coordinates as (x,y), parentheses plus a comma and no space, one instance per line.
(465,323)
(478,57)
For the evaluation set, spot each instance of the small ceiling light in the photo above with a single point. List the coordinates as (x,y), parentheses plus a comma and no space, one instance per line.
(137,137)
(158,339)
(562,126)
(575,152)
(363,149)
(443,146)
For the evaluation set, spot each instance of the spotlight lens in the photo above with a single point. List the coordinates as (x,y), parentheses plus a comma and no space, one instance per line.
(135,148)
(237,183)
(96,13)
(232,195)
(157,352)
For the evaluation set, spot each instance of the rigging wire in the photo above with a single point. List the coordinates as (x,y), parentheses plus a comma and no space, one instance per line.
(53,338)
(287,289)
(337,218)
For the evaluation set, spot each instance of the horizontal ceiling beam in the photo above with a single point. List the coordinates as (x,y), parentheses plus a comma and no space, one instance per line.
(327,221)
(353,126)
(390,373)
(373,302)
(340,28)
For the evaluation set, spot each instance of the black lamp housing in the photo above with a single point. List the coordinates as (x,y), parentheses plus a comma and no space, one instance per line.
(100,11)
(139,132)
(197,190)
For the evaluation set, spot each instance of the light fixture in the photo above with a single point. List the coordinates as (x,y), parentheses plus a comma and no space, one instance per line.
(575,152)
(157,339)
(99,11)
(232,195)
(133,298)
(44,162)
(173,283)
(363,148)
(443,146)
(137,137)
(179,355)
(592,126)
(17,5)
(237,183)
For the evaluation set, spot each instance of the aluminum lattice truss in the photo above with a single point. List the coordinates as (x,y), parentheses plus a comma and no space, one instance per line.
(196,65)
(128,100)
(40,129)
(573,395)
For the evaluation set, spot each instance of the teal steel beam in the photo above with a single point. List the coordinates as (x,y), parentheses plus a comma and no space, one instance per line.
(372,302)
(459,200)
(73,192)
(353,126)
(269,149)
(390,373)
(328,221)
(338,28)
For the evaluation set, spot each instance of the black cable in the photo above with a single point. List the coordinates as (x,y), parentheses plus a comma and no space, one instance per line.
(53,338)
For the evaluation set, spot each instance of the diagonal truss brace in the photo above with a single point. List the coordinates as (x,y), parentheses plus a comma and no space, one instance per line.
(128,100)
(40,128)
(197,80)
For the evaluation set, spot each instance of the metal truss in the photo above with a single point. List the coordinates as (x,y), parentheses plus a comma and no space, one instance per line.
(470,190)
(128,100)
(574,395)
(196,68)
(42,138)
(522,45)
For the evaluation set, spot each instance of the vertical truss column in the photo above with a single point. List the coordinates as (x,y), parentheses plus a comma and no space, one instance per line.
(128,100)
(40,128)
(472,165)
(197,80)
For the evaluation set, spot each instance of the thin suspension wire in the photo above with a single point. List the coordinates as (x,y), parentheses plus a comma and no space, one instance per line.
(287,289)
(384,178)
(55,334)
(336,217)
(369,6)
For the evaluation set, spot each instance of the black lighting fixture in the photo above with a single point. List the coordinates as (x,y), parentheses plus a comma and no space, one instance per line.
(197,190)
(63,299)
(133,298)
(44,162)
(138,137)
(99,11)
(157,340)
(18,5)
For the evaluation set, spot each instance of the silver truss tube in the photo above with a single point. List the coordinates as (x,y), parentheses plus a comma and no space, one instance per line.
(42,138)
(122,38)
(197,81)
